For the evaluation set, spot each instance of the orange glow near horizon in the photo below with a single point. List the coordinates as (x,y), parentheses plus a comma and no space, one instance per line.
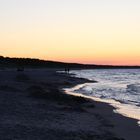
(73,46)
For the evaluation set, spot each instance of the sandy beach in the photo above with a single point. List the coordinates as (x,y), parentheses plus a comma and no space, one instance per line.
(33,106)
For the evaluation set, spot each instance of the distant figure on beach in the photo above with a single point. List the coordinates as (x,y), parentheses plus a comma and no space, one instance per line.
(67,70)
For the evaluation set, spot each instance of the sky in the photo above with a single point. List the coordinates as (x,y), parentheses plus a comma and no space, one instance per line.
(84,31)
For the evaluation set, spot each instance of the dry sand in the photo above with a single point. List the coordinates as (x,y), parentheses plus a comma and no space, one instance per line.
(33,107)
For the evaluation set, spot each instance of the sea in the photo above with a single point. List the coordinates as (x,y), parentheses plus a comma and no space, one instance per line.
(117,87)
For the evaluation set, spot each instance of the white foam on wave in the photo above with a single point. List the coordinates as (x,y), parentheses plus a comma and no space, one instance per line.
(109,92)
(117,84)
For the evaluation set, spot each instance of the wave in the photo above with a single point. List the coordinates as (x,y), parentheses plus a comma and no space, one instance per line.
(122,86)
(102,92)
(133,88)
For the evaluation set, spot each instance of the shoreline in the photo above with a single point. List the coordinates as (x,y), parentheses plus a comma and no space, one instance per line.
(119,117)
(119,107)
(33,105)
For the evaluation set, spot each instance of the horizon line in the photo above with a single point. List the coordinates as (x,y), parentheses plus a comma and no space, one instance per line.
(70,62)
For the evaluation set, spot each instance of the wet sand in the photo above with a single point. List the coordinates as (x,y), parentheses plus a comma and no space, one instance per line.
(33,106)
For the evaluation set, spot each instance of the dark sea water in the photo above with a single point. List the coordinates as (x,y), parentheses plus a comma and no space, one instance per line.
(119,87)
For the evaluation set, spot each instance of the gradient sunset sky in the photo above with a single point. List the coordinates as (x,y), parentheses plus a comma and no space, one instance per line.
(85,31)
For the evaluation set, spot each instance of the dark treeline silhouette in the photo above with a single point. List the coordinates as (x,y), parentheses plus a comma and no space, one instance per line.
(36,63)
